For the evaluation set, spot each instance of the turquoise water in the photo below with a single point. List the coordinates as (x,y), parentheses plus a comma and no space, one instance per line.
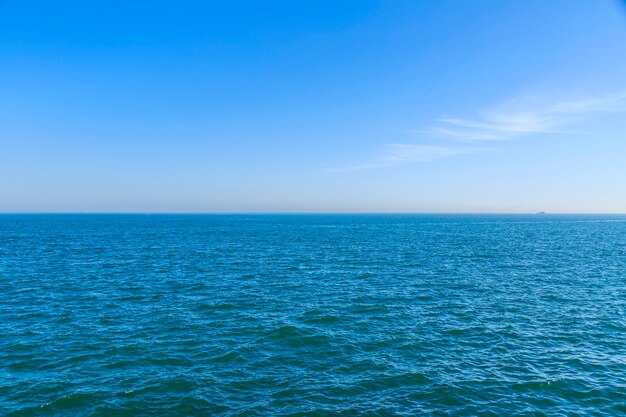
(122,315)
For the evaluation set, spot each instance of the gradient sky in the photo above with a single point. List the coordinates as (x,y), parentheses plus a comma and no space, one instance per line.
(289,106)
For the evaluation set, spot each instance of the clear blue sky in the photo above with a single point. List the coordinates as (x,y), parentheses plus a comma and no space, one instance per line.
(351,106)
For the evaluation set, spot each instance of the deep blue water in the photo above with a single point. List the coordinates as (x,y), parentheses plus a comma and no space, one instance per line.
(115,315)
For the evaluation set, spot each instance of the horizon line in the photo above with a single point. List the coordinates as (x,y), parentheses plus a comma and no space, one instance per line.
(144,213)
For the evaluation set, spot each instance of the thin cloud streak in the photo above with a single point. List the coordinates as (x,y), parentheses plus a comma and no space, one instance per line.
(521,117)
(398,153)
(402,152)
(516,118)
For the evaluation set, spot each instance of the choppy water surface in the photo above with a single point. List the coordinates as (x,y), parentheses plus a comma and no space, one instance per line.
(312,315)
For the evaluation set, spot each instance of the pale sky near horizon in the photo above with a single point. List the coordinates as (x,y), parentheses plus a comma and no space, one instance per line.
(325,106)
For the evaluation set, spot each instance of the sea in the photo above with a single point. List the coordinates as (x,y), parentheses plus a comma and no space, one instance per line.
(312,315)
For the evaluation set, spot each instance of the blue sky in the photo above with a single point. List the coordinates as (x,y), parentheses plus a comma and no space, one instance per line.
(325,106)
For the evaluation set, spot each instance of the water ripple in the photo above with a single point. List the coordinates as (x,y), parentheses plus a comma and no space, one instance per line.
(312,315)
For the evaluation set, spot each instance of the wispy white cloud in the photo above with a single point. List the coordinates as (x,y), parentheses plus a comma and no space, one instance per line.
(397,153)
(460,134)
(525,116)
(404,152)
(521,116)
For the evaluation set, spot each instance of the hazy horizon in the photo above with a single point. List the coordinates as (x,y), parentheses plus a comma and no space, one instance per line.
(312,213)
(280,107)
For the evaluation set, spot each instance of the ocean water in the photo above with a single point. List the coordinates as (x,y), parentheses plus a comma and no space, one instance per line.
(245,315)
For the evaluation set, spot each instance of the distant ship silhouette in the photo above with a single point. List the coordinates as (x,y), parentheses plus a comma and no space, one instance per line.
(541,212)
